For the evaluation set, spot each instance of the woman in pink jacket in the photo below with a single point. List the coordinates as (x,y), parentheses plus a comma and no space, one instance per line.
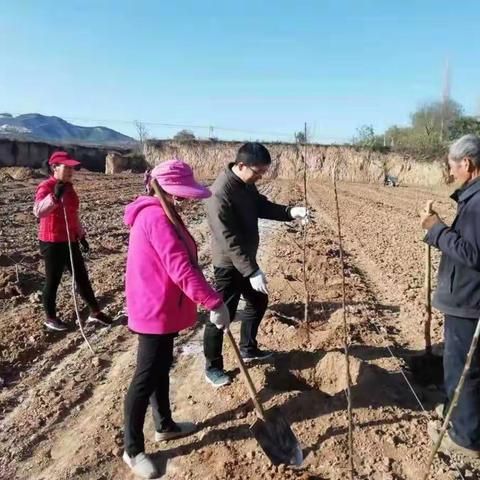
(163,288)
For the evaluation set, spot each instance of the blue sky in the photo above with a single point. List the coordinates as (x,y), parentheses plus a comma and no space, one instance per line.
(260,67)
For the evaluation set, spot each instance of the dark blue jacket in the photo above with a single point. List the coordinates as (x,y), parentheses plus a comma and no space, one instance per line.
(458,286)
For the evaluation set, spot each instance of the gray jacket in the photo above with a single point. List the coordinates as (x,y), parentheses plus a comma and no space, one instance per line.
(233,212)
(458,289)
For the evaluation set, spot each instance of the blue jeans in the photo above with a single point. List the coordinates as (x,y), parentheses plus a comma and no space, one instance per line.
(466,415)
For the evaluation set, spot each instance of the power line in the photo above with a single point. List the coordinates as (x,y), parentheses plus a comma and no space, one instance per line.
(209,127)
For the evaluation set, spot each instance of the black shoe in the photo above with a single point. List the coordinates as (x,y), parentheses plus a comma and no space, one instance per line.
(175,430)
(101,318)
(256,354)
(55,324)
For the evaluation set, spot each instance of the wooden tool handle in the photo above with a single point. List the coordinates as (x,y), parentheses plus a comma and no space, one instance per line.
(160,193)
(428,207)
(246,376)
(428,288)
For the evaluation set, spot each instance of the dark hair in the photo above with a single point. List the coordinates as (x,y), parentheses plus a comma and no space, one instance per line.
(253,153)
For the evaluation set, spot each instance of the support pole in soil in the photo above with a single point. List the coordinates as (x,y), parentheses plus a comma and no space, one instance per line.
(453,403)
(305,227)
(345,331)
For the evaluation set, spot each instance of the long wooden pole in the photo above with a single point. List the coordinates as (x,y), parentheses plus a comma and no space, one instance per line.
(428,291)
(305,228)
(345,333)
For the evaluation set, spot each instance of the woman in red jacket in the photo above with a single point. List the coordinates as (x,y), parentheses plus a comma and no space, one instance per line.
(56,199)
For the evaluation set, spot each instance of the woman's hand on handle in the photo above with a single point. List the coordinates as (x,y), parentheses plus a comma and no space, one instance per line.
(220,317)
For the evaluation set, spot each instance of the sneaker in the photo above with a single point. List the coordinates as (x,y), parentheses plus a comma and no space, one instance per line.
(257,354)
(101,318)
(448,444)
(141,465)
(55,324)
(175,430)
(218,378)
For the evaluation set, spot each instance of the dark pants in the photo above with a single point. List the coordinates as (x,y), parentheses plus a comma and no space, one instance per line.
(231,284)
(466,416)
(150,383)
(57,258)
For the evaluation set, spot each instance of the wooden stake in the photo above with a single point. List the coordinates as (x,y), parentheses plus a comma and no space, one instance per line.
(345,332)
(428,290)
(305,228)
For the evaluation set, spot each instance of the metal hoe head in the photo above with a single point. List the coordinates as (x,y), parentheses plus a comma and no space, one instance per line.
(277,440)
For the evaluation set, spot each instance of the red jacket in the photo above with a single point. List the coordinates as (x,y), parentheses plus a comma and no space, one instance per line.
(50,212)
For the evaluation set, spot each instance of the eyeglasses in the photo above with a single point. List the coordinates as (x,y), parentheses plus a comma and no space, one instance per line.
(263,171)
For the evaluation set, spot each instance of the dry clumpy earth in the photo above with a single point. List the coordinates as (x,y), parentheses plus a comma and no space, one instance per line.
(61,407)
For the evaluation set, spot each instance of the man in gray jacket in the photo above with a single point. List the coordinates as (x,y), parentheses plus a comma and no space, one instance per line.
(458,294)
(233,212)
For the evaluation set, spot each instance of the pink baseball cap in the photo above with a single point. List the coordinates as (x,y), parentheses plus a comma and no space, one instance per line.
(176,178)
(62,158)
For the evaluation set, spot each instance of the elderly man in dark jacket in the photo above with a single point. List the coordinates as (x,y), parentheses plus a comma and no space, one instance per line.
(233,212)
(458,294)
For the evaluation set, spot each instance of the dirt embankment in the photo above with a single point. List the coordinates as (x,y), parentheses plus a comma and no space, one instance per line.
(354,164)
(16,153)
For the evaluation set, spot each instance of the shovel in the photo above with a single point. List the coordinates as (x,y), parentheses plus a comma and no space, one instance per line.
(271,430)
(427,368)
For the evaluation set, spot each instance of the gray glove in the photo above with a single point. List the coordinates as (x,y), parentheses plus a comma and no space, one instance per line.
(220,317)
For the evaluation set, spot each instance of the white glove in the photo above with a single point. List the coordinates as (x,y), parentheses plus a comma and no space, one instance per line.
(259,282)
(220,317)
(300,213)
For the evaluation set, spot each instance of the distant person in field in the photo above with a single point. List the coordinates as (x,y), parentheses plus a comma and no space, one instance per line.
(55,198)
(233,212)
(458,295)
(163,287)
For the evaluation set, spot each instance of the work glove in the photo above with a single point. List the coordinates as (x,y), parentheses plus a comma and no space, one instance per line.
(220,317)
(85,245)
(59,189)
(300,213)
(259,282)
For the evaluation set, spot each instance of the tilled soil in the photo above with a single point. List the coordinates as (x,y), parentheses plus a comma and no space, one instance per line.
(61,407)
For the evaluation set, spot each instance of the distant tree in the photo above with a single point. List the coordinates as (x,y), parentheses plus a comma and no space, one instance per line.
(366,137)
(184,136)
(463,126)
(300,137)
(435,118)
(142,134)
